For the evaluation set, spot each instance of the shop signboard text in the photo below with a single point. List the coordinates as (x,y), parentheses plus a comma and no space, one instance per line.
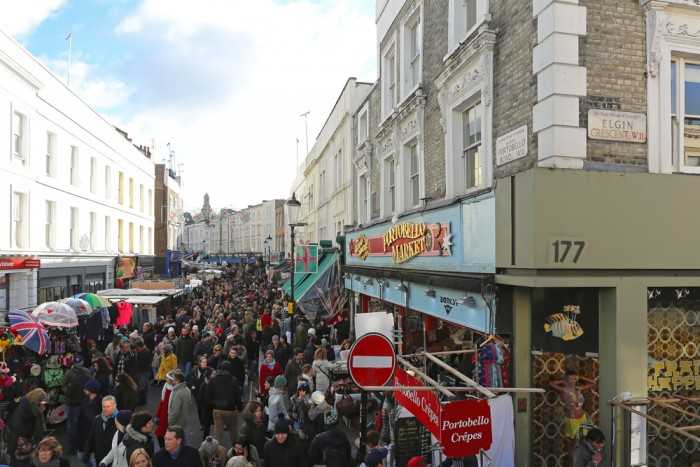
(404,242)
(465,427)
(424,405)
(671,375)
(11,263)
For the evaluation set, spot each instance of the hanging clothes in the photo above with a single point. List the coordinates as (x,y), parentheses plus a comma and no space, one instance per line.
(502,451)
(492,365)
(125,311)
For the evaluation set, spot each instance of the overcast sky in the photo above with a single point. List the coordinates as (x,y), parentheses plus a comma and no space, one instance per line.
(222,81)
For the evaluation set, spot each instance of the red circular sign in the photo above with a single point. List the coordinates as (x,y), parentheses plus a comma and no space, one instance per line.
(372,360)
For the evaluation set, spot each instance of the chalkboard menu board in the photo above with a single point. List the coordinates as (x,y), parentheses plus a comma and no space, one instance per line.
(408,440)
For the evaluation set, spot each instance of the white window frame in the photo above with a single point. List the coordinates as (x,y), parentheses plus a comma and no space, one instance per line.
(108,233)
(150,202)
(93,174)
(363,198)
(132,193)
(121,233)
(322,187)
(142,194)
(363,136)
(50,225)
(142,240)
(74,228)
(51,153)
(19,155)
(678,134)
(132,240)
(74,165)
(465,149)
(150,240)
(411,176)
(457,18)
(412,61)
(93,231)
(386,211)
(121,189)
(339,169)
(108,182)
(19,216)
(390,88)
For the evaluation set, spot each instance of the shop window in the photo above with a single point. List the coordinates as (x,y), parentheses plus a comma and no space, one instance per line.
(51,294)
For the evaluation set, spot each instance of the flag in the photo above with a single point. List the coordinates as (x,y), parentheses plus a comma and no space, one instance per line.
(305,259)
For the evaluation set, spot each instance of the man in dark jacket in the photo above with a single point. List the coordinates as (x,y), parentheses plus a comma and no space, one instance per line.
(224,396)
(101,430)
(125,360)
(293,371)
(89,409)
(138,434)
(589,453)
(142,367)
(331,447)
(184,350)
(73,382)
(149,336)
(283,449)
(176,453)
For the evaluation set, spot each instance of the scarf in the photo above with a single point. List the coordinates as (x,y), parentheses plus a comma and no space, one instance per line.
(270,365)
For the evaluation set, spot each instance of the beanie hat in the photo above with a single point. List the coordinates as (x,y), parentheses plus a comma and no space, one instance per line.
(280,382)
(140,419)
(124,417)
(92,386)
(281,426)
(225,366)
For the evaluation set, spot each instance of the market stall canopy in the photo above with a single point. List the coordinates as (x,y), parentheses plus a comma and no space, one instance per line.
(111,293)
(55,314)
(94,300)
(32,333)
(81,307)
(320,294)
(140,299)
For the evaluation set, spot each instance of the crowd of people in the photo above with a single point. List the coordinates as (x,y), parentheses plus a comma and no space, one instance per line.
(238,387)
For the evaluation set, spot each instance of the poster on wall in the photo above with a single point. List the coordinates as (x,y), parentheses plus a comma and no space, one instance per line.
(126,267)
(565,320)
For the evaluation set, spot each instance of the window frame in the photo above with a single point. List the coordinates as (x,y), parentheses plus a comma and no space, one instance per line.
(466,149)
(108,233)
(410,149)
(339,169)
(93,231)
(50,225)
(390,50)
(458,25)
(389,190)
(74,232)
(21,156)
(74,165)
(121,188)
(132,194)
(19,213)
(364,112)
(412,60)
(51,153)
(363,201)
(93,174)
(678,156)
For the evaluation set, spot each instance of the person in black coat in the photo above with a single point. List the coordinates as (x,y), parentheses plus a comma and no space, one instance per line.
(27,421)
(331,447)
(224,398)
(283,449)
(149,336)
(49,452)
(176,453)
(138,434)
(101,431)
(89,409)
(237,366)
(144,358)
(197,381)
(184,350)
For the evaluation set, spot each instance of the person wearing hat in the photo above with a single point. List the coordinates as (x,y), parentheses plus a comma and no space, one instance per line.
(278,403)
(269,367)
(224,396)
(331,447)
(283,448)
(316,413)
(89,409)
(73,384)
(138,434)
(117,454)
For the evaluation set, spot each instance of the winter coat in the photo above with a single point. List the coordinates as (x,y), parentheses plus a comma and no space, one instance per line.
(237,369)
(167,364)
(135,439)
(117,455)
(188,457)
(252,433)
(292,373)
(26,421)
(287,454)
(184,349)
(182,409)
(144,358)
(73,382)
(90,409)
(253,457)
(266,371)
(331,448)
(197,381)
(282,354)
(223,392)
(101,435)
(322,369)
(127,397)
(278,407)
(149,339)
(300,412)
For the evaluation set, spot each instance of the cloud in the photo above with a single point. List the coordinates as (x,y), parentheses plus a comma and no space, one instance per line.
(100,91)
(20,17)
(226,84)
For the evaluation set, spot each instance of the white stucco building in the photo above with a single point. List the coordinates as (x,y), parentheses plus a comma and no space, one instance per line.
(76,193)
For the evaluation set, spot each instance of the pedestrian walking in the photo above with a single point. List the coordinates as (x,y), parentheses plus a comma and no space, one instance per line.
(175,452)
(269,367)
(197,381)
(126,392)
(282,449)
(102,430)
(225,398)
(138,434)
(182,409)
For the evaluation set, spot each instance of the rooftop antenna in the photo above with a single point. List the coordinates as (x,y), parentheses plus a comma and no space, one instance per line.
(306,126)
(69,38)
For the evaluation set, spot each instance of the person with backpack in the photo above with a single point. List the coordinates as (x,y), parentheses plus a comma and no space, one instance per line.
(73,383)
(332,447)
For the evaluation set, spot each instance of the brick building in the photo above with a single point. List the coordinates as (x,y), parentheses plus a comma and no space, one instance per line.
(550,147)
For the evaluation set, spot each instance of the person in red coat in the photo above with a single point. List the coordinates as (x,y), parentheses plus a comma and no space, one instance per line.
(266,319)
(269,367)
(162,411)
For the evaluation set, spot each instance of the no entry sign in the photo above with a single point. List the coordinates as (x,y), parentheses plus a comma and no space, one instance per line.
(372,360)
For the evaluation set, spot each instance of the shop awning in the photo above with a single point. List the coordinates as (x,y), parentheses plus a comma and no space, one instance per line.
(326,263)
(140,300)
(298,279)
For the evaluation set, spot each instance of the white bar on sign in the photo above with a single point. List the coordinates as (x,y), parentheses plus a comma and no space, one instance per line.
(365,361)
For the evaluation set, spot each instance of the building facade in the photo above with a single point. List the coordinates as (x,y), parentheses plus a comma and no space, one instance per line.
(78,193)
(168,210)
(545,147)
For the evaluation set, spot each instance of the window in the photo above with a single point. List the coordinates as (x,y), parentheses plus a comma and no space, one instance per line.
(150,240)
(93,231)
(131,193)
(108,182)
(74,166)
(108,233)
(142,240)
(389,186)
(412,56)
(470,14)
(471,146)
(142,201)
(463,16)
(19,220)
(363,125)
(339,170)
(131,237)
(150,202)
(50,227)
(413,175)
(322,187)
(93,175)
(389,81)
(364,211)
(120,235)
(74,229)
(51,148)
(121,188)
(19,137)
(685,113)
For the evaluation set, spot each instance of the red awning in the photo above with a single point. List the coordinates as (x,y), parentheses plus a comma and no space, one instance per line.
(8,263)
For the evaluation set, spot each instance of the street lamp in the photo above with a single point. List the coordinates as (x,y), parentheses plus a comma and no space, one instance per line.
(292,213)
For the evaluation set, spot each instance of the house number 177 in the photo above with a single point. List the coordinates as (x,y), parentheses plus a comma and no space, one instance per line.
(568,251)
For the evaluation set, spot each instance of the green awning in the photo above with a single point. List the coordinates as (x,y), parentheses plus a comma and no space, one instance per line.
(327,262)
(298,279)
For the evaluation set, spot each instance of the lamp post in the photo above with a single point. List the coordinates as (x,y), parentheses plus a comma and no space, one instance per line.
(292,212)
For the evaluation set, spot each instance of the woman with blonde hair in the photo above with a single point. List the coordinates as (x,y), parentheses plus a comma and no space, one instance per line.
(140,458)
(168,362)
(49,453)
(321,367)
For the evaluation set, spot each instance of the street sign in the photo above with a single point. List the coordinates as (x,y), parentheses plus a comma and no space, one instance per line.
(372,360)
(305,259)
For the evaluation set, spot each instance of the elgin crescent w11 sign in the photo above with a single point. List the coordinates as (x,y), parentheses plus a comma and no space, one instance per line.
(372,360)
